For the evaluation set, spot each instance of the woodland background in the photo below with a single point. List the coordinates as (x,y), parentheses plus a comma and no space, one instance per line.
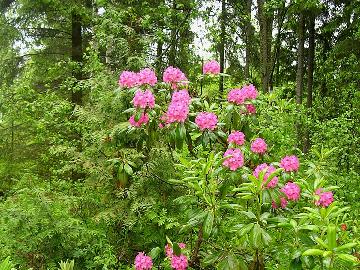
(60,111)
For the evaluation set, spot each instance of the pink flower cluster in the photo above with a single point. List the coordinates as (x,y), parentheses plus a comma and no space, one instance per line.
(144,118)
(206,120)
(236,137)
(131,79)
(147,76)
(258,146)
(179,262)
(211,67)
(290,163)
(326,198)
(128,79)
(250,108)
(268,170)
(292,191)
(239,96)
(178,109)
(143,262)
(144,99)
(174,76)
(283,203)
(169,251)
(235,161)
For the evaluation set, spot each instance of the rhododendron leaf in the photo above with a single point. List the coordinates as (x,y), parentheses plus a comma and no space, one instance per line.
(295,264)
(224,74)
(130,110)
(155,252)
(249,214)
(331,236)
(138,116)
(208,224)
(348,258)
(313,252)
(293,223)
(168,240)
(346,246)
(256,236)
(309,227)
(128,169)
(321,242)
(176,249)
(327,253)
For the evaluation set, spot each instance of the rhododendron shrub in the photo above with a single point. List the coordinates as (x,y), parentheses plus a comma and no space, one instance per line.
(235,187)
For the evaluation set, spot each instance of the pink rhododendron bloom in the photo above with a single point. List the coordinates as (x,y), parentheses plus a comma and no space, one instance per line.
(236,96)
(290,163)
(235,161)
(283,203)
(128,79)
(179,262)
(181,96)
(326,198)
(239,96)
(268,170)
(250,108)
(250,91)
(211,67)
(292,191)
(143,120)
(258,146)
(147,76)
(206,120)
(143,262)
(174,76)
(178,109)
(236,137)
(144,99)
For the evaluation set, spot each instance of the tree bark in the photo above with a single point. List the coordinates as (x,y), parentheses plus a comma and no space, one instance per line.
(222,46)
(300,62)
(76,55)
(310,81)
(173,39)
(248,33)
(265,22)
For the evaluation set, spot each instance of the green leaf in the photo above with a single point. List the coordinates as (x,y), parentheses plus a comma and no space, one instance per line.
(346,246)
(154,253)
(331,236)
(208,224)
(313,252)
(348,258)
(249,214)
(176,249)
(128,169)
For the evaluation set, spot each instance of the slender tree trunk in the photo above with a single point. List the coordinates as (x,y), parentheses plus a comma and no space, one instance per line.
(159,53)
(222,46)
(76,55)
(300,74)
(265,22)
(300,62)
(248,32)
(310,81)
(172,51)
(274,61)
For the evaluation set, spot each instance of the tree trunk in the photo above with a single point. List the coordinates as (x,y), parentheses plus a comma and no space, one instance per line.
(222,46)
(248,32)
(300,62)
(76,55)
(310,81)
(265,22)
(159,53)
(172,51)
